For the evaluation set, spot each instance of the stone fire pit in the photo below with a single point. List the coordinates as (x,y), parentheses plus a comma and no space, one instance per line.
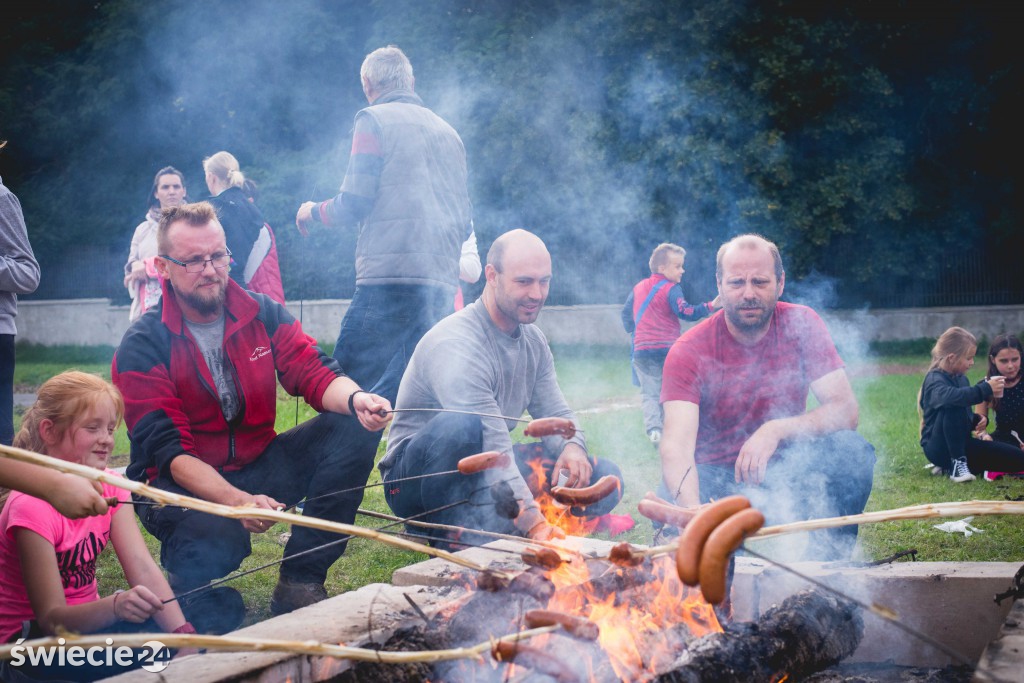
(951,602)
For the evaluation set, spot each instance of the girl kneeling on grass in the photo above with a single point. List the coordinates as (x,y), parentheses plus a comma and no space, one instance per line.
(48,562)
(947,423)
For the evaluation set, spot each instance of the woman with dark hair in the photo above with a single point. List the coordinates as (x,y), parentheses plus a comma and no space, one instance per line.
(140,276)
(1004,360)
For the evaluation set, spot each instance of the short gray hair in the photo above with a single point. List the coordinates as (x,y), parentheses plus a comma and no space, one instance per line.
(387,69)
(750,241)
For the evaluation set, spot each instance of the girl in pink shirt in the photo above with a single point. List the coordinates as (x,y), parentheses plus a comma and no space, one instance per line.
(48,561)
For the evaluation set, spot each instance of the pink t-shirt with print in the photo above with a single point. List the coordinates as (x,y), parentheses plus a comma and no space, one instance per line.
(77,542)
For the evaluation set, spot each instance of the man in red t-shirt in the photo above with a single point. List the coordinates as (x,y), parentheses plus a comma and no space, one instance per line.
(735,397)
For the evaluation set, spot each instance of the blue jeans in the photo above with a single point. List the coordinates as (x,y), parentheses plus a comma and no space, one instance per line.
(438,447)
(382,327)
(6,389)
(828,476)
(328,453)
(648,370)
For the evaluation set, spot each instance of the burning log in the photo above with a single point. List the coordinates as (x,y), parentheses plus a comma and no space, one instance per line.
(809,632)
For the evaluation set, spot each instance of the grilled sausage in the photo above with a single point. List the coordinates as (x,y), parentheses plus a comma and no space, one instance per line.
(695,535)
(605,486)
(573,625)
(491,582)
(623,556)
(472,464)
(666,513)
(542,557)
(551,426)
(722,543)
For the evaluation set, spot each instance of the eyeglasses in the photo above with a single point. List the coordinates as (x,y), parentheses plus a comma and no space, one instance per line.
(218,261)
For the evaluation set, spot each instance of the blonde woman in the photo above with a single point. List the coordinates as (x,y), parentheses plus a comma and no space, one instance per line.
(250,240)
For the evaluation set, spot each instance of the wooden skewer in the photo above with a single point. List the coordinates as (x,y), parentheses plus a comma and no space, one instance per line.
(923,511)
(480,532)
(231,512)
(239,644)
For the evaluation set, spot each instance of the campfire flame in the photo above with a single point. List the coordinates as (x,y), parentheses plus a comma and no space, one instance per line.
(631,623)
(554,512)
(629,626)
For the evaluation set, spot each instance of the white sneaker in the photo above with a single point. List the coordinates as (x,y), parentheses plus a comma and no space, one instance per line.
(655,436)
(960,472)
(933,469)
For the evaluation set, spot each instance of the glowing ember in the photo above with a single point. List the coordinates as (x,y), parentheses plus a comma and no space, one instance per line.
(631,622)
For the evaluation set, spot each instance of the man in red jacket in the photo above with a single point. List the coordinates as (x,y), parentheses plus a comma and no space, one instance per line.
(199,376)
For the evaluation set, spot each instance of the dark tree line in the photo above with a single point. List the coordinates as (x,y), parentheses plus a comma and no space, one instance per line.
(872,140)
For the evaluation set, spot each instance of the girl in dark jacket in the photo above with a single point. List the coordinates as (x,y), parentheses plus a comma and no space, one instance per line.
(1004,359)
(947,422)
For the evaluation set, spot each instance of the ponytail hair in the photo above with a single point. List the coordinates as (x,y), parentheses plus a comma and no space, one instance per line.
(61,399)
(956,341)
(224,166)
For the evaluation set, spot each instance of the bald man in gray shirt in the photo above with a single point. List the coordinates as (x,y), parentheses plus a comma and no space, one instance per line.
(488,358)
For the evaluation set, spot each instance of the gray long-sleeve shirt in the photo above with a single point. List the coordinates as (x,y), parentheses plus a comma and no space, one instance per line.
(19,271)
(465,362)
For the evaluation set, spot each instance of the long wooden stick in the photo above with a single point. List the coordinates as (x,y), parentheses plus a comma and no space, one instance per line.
(241,644)
(923,511)
(231,512)
(480,532)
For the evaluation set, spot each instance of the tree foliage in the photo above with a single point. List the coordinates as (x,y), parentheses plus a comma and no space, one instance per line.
(870,144)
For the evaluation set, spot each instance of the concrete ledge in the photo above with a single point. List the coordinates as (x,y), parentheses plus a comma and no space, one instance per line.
(949,601)
(346,618)
(96,321)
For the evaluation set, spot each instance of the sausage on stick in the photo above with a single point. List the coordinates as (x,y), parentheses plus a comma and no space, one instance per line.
(722,543)
(489,460)
(696,534)
(604,487)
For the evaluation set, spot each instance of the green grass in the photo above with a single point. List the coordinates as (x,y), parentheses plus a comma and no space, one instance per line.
(596,382)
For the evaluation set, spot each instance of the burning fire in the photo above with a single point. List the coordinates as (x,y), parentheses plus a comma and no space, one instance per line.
(630,624)
(632,621)
(554,512)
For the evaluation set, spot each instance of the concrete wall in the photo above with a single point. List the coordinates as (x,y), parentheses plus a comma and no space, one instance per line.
(96,321)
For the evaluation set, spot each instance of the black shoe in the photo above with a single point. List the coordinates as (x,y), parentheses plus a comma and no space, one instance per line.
(290,595)
(215,611)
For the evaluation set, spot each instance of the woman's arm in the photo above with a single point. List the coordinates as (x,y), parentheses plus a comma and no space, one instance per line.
(73,496)
(142,572)
(46,592)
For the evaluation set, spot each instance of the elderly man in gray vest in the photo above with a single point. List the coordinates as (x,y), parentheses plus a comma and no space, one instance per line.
(405,188)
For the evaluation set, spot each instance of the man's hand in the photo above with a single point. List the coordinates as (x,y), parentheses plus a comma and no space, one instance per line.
(258,526)
(545,532)
(755,454)
(303,217)
(372,411)
(575,460)
(76,497)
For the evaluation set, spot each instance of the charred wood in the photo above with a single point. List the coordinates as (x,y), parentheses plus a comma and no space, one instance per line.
(807,633)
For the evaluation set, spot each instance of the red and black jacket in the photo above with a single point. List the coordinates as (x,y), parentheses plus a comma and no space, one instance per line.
(171,402)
